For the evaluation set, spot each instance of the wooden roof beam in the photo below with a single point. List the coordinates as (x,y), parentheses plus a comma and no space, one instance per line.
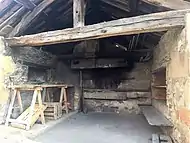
(127,26)
(26,3)
(171,4)
(29,17)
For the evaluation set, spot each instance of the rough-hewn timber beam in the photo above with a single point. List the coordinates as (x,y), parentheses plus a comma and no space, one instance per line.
(126,26)
(28,18)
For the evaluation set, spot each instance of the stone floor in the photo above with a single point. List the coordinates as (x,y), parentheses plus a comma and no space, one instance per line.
(100,128)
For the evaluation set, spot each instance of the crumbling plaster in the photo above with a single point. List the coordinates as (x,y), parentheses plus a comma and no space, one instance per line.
(172,53)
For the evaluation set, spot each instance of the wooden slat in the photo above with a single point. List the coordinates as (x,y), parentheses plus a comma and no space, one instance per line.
(127,26)
(154,117)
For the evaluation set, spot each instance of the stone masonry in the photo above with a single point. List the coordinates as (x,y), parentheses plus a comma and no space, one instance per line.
(172,53)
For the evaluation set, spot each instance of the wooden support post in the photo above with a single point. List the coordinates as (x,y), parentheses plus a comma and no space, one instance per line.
(11,107)
(44,94)
(65,101)
(19,101)
(78,13)
(41,107)
(61,95)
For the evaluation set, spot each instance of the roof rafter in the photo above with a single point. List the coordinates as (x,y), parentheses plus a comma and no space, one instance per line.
(172,4)
(29,17)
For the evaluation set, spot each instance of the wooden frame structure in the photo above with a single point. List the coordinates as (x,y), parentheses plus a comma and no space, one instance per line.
(63,95)
(155,22)
(34,112)
(30,115)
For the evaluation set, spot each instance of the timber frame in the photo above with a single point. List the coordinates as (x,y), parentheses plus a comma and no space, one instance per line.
(156,22)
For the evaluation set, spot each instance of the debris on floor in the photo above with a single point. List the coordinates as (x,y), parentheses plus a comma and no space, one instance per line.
(156,138)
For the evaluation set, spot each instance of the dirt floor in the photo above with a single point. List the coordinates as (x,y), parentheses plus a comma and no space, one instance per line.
(100,128)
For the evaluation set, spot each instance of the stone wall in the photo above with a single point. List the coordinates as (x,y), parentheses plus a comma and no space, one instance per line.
(173,54)
(117,90)
(15,69)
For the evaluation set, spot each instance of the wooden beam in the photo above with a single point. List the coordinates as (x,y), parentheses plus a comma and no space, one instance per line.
(171,4)
(13,17)
(29,17)
(78,13)
(26,3)
(127,26)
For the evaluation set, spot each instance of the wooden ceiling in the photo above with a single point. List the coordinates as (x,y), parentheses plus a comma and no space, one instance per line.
(57,14)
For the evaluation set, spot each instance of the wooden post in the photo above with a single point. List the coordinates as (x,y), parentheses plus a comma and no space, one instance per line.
(41,107)
(65,101)
(32,109)
(19,101)
(78,13)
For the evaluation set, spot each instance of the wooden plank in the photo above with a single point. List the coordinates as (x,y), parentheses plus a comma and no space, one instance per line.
(78,13)
(154,117)
(155,138)
(127,26)
(112,95)
(28,18)
(32,86)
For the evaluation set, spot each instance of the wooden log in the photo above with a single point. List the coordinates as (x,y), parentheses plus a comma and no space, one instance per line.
(127,26)
(28,18)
